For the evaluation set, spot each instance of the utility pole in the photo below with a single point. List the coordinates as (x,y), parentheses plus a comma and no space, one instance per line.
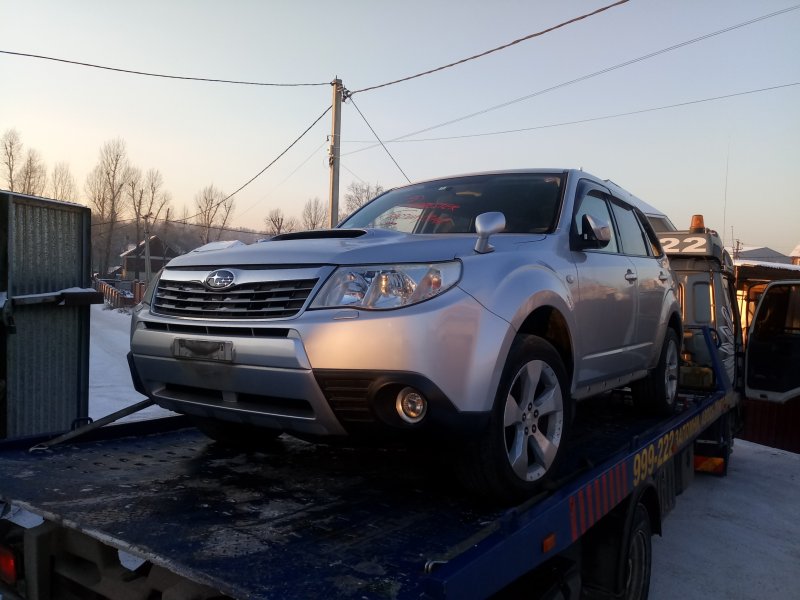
(333,152)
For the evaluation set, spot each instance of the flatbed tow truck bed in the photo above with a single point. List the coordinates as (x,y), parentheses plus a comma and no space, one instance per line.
(305,520)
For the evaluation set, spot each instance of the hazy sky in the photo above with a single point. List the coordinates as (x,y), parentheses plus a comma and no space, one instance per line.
(200,133)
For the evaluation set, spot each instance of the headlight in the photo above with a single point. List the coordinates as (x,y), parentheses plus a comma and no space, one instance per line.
(382,287)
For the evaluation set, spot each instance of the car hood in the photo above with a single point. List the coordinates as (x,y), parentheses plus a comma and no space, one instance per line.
(345,247)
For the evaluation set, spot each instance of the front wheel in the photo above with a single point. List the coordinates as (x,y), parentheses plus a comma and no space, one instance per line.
(657,393)
(529,423)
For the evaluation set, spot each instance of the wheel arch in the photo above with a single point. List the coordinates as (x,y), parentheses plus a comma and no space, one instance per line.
(548,323)
(676,323)
(648,496)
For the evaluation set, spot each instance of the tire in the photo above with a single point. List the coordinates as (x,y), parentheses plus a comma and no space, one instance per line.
(638,556)
(617,554)
(529,424)
(657,393)
(236,435)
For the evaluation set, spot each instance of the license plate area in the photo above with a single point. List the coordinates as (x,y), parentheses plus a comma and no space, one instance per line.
(194,349)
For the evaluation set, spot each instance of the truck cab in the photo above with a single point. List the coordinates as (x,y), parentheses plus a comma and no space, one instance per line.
(705,275)
(764,368)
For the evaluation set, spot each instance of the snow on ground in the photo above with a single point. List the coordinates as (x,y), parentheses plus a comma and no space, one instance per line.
(110,386)
(736,537)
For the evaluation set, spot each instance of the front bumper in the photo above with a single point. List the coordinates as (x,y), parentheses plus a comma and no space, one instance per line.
(330,372)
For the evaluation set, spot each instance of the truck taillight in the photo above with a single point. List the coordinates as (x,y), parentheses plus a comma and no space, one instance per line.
(8,566)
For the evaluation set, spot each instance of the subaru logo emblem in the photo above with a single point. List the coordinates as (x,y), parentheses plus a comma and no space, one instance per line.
(219,280)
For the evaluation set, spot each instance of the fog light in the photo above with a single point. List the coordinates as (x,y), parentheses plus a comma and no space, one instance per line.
(411,405)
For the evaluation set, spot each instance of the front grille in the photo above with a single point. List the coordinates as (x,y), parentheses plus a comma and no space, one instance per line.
(272,405)
(261,332)
(263,300)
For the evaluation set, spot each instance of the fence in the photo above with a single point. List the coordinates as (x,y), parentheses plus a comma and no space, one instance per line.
(120,294)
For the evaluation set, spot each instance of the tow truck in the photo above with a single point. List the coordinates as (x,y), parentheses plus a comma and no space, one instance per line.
(157,510)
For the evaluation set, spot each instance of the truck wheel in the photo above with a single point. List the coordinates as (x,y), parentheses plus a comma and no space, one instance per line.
(656,394)
(528,426)
(638,556)
(235,435)
(616,555)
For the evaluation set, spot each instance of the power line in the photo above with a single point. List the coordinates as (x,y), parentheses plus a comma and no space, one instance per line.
(214,227)
(257,175)
(497,49)
(592,119)
(379,139)
(161,75)
(579,79)
(186,223)
(285,179)
(254,177)
(341,164)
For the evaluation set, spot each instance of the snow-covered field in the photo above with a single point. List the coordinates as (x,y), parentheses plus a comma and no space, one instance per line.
(736,537)
(110,387)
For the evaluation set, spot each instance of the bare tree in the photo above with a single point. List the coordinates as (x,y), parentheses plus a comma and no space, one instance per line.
(104,188)
(225,216)
(62,183)
(32,178)
(358,194)
(12,155)
(134,198)
(146,201)
(213,211)
(277,223)
(315,214)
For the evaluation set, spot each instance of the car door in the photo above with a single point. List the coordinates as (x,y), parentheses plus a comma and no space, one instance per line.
(606,305)
(653,281)
(772,355)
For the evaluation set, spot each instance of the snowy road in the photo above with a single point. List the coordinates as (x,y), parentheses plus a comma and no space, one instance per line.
(736,537)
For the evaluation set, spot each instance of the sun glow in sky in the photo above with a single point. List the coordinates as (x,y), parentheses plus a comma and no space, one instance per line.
(732,159)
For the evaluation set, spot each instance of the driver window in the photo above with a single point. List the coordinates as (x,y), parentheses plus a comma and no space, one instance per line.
(597,208)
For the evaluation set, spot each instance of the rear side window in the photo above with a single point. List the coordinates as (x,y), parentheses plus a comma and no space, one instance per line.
(633,238)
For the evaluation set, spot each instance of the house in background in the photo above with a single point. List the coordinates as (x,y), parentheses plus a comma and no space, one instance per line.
(133,260)
(761,254)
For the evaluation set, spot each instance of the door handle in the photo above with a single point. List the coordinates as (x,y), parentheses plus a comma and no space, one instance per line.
(631,276)
(662,276)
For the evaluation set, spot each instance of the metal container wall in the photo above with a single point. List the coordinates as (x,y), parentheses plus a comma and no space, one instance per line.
(772,424)
(44,249)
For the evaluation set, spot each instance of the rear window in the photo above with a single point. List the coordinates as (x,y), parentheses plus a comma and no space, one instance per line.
(530,203)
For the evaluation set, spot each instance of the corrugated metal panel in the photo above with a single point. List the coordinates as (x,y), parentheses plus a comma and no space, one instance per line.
(771,424)
(48,247)
(46,360)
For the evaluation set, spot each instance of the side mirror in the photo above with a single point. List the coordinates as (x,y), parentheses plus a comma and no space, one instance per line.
(487,224)
(596,233)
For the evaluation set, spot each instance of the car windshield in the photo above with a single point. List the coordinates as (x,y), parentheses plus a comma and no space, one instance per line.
(529,201)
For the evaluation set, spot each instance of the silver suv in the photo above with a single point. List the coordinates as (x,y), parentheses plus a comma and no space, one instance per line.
(473,309)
